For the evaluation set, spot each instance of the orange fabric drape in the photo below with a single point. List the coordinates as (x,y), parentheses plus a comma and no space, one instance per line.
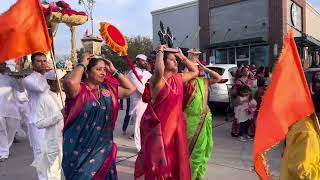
(286,101)
(23,30)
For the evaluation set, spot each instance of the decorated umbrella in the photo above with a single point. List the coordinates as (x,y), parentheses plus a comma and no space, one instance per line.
(116,42)
(61,12)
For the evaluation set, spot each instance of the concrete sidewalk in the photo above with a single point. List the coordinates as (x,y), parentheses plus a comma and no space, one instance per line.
(231,159)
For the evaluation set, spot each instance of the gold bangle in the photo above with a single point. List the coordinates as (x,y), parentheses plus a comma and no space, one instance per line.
(160,51)
(116,74)
(83,66)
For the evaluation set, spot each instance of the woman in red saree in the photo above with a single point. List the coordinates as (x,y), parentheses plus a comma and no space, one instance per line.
(164,153)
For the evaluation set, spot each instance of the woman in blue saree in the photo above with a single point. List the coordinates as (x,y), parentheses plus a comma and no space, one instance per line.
(91,112)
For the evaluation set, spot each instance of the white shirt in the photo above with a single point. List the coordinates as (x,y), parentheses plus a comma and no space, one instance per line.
(10,97)
(136,97)
(49,109)
(50,118)
(35,84)
(241,111)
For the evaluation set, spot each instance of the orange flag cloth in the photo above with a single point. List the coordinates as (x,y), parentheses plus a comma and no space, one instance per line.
(287,100)
(23,30)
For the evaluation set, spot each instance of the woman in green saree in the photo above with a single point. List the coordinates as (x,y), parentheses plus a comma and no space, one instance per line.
(199,119)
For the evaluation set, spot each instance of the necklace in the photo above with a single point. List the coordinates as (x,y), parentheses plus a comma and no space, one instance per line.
(174,90)
(95,98)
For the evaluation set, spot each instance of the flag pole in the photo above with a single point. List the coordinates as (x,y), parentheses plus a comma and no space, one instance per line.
(55,69)
(316,121)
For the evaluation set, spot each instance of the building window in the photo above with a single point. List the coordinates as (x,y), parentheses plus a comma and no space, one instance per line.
(242,52)
(294,15)
(221,56)
(243,62)
(259,55)
(232,56)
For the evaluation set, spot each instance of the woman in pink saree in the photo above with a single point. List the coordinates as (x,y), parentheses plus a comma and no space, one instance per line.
(164,153)
(89,151)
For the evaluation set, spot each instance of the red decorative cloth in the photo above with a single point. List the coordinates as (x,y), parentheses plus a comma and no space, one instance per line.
(146,96)
(116,42)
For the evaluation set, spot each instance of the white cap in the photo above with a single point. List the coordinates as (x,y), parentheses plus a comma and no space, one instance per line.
(142,56)
(51,75)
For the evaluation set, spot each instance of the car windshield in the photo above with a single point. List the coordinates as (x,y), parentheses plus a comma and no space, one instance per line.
(233,71)
(219,70)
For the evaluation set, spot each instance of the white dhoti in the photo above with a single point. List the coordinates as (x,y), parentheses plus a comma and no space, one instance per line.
(137,106)
(23,120)
(8,129)
(54,171)
(50,122)
(10,98)
(36,136)
(35,85)
(136,117)
(48,162)
(20,131)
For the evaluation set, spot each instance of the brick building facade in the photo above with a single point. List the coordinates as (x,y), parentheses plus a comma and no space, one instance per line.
(252,31)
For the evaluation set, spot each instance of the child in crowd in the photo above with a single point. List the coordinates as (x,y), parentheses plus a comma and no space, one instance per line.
(245,107)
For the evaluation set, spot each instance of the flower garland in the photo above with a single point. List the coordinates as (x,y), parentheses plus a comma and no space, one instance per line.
(61,12)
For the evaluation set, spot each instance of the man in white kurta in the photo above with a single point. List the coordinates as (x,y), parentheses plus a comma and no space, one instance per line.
(50,118)
(10,117)
(137,106)
(36,84)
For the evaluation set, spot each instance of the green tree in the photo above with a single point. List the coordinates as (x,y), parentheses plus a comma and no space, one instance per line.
(136,45)
(88,5)
(139,45)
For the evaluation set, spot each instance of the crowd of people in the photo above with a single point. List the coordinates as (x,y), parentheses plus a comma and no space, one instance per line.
(71,117)
(246,93)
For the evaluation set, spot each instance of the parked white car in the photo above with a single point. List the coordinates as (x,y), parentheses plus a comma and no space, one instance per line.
(218,93)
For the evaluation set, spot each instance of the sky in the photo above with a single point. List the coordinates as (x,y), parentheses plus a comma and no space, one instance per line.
(132,17)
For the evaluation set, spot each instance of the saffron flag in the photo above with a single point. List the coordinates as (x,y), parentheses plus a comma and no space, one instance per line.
(287,100)
(23,30)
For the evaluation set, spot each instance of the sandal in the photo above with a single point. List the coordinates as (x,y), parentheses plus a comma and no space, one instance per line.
(2,159)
